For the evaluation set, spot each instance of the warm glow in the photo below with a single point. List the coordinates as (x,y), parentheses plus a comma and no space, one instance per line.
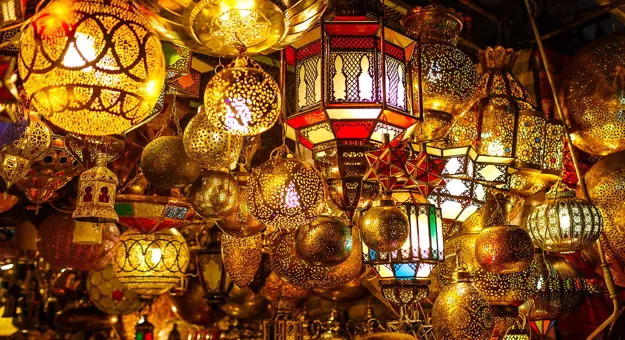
(7,266)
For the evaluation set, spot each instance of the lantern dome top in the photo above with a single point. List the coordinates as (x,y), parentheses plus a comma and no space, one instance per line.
(497,57)
(434,22)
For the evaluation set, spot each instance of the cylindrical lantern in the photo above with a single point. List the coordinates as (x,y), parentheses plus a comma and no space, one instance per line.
(95,78)
(564,223)
(150,264)
(96,194)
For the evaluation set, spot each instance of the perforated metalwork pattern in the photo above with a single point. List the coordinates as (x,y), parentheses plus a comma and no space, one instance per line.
(210,147)
(33,143)
(150,264)
(242,101)
(595,99)
(385,228)
(285,193)
(504,249)
(241,257)
(326,241)
(93,67)
(165,163)
(288,265)
(240,223)
(214,195)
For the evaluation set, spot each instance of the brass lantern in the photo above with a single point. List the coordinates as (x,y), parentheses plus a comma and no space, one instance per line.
(216,282)
(564,223)
(151,264)
(93,79)
(31,145)
(96,194)
(352,81)
(422,250)
(165,163)
(11,130)
(448,76)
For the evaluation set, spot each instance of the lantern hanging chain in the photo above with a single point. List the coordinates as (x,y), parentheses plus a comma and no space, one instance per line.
(607,274)
(174,116)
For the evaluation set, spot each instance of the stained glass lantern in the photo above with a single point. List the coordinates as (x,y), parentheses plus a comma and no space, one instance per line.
(216,282)
(151,264)
(564,223)
(351,82)
(458,198)
(448,77)
(102,79)
(387,166)
(49,174)
(149,214)
(425,167)
(96,194)
(421,252)
(343,164)
(31,145)
(144,330)
(542,327)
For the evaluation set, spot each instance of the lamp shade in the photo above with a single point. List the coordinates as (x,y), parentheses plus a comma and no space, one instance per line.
(95,78)
(150,264)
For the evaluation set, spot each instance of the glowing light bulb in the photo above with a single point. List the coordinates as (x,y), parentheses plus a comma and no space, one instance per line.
(156,254)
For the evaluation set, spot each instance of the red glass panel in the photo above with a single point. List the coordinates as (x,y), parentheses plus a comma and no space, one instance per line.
(129,222)
(353,129)
(307,119)
(167,224)
(392,50)
(291,54)
(312,49)
(352,29)
(146,225)
(305,142)
(398,119)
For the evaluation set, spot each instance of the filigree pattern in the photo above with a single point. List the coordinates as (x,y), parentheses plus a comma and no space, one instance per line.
(150,264)
(109,295)
(98,70)
(165,163)
(241,257)
(212,148)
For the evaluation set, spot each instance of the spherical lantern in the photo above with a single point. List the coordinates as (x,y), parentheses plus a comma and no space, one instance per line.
(87,75)
(214,195)
(17,156)
(327,241)
(594,99)
(385,227)
(165,163)
(210,147)
(449,78)
(504,249)
(288,265)
(10,131)
(564,223)
(561,289)
(55,244)
(150,264)
(241,257)
(109,295)
(285,193)
(461,311)
(604,181)
(241,223)
(242,100)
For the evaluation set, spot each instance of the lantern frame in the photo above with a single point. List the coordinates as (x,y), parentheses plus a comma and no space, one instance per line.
(213,276)
(331,106)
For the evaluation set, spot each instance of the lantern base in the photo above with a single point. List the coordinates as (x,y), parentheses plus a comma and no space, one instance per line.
(404,292)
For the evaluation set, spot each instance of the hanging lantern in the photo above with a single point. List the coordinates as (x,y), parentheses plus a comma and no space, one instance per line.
(461,310)
(422,250)
(165,163)
(342,96)
(151,264)
(465,163)
(214,195)
(216,282)
(504,249)
(343,164)
(56,245)
(84,89)
(404,293)
(458,198)
(285,193)
(242,257)
(210,147)
(561,289)
(148,214)
(242,100)
(96,199)
(241,223)
(449,79)
(49,174)
(109,295)
(86,149)
(425,167)
(10,131)
(516,332)
(387,167)
(542,327)
(327,241)
(564,223)
(385,227)
(288,265)
(17,156)
(283,325)
(144,330)
(594,98)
